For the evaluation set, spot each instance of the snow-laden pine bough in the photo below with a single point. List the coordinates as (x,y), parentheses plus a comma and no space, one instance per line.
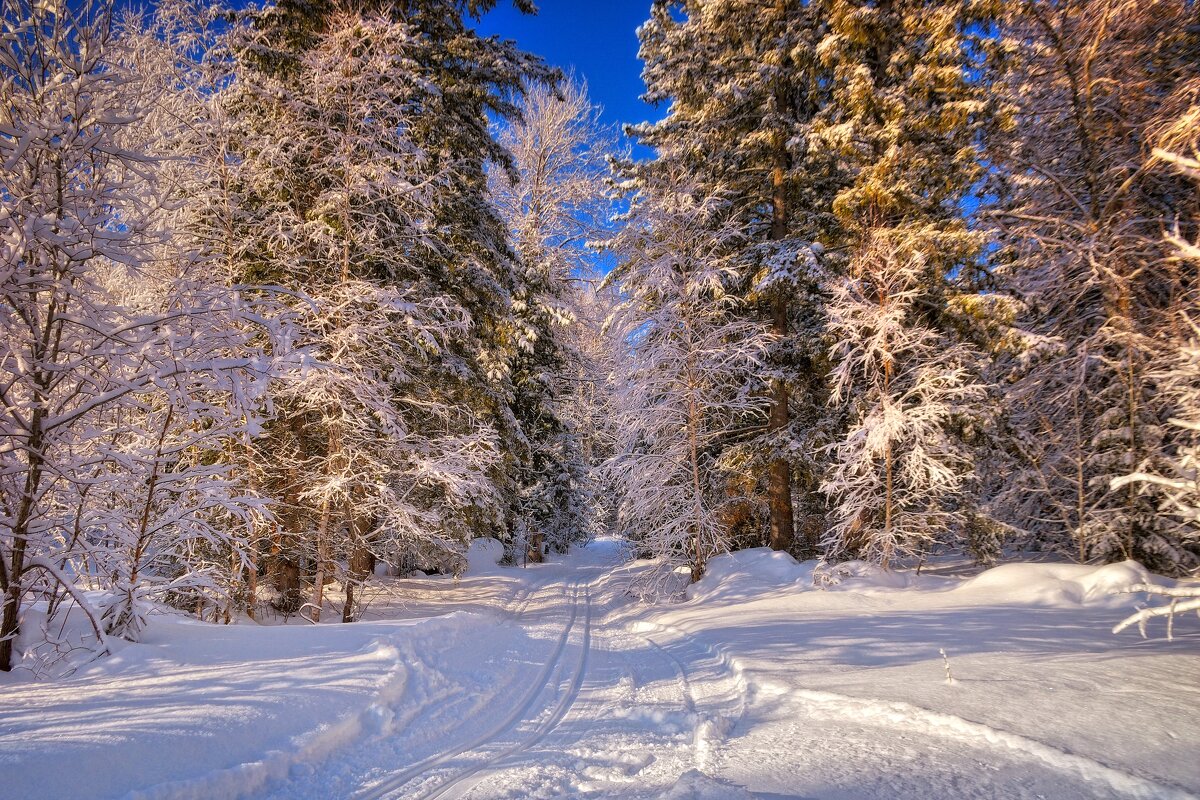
(1183,600)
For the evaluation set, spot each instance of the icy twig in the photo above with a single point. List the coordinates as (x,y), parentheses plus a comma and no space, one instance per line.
(946,663)
(1183,600)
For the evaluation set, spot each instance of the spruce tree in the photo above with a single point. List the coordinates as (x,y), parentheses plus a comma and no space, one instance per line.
(744,85)
(1080,205)
(378,201)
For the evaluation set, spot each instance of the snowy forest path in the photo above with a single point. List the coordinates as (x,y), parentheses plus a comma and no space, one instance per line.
(561,676)
(554,681)
(633,703)
(610,703)
(471,774)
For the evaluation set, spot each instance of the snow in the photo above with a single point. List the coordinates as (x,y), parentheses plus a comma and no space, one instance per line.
(744,572)
(483,556)
(772,680)
(1059,584)
(695,785)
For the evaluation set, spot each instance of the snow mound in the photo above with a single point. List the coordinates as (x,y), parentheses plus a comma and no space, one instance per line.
(1059,584)
(483,556)
(739,576)
(736,576)
(695,785)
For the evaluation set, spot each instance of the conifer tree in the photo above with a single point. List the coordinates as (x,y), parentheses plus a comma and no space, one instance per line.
(1079,218)
(744,83)
(899,473)
(904,117)
(684,386)
(381,216)
(1176,373)
(553,210)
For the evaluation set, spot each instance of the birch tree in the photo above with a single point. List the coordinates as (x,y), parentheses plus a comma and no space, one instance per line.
(559,203)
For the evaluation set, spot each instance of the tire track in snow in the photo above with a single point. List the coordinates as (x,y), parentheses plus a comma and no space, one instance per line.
(394,782)
(473,773)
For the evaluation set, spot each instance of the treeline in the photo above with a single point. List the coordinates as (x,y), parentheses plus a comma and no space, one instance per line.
(287,292)
(909,275)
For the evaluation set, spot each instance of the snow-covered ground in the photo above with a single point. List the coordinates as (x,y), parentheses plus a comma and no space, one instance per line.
(768,682)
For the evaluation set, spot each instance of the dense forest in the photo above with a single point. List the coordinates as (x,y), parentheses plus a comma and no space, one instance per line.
(299,294)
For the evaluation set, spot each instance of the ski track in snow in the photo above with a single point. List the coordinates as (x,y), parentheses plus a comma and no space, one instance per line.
(508,726)
(466,777)
(899,715)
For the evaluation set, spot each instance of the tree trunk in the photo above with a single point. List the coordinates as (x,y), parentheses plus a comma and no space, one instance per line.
(699,557)
(283,571)
(779,477)
(318,591)
(534,553)
(251,579)
(779,474)
(286,579)
(15,570)
(362,561)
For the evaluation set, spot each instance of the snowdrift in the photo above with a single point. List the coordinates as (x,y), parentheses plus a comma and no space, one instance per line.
(1060,584)
(734,577)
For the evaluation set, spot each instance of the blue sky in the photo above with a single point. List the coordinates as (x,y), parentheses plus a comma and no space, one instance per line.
(596,38)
